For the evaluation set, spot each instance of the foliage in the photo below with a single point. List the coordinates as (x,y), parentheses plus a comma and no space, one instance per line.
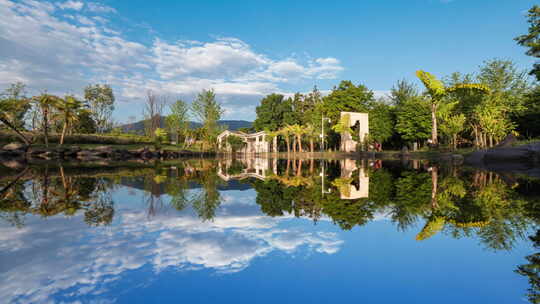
(208,111)
(178,120)
(100,99)
(531,40)
(235,142)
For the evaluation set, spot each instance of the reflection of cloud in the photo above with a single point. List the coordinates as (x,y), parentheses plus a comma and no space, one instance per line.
(62,257)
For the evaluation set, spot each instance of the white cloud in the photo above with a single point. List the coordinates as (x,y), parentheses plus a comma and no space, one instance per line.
(63,53)
(100,8)
(62,256)
(73,5)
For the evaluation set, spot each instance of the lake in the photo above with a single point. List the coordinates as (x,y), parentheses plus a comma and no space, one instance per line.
(268,231)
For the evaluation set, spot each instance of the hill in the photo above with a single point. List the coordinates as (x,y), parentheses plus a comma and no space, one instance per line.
(233,125)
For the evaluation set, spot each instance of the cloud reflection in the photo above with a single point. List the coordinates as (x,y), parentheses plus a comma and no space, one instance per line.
(62,258)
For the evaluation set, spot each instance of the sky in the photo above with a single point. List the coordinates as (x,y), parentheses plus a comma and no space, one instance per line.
(244,50)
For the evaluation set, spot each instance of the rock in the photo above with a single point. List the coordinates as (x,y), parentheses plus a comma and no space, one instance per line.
(508,141)
(509,154)
(14,146)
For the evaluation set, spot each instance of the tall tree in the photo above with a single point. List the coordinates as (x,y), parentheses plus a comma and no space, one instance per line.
(208,111)
(46,103)
(531,40)
(178,120)
(100,99)
(270,113)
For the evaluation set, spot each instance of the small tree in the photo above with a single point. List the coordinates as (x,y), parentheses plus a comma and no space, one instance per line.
(236,143)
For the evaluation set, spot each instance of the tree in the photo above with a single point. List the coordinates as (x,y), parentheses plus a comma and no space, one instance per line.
(235,142)
(208,111)
(270,113)
(178,120)
(402,92)
(69,111)
(15,95)
(437,92)
(46,103)
(13,107)
(413,120)
(100,99)
(85,124)
(531,40)
(152,112)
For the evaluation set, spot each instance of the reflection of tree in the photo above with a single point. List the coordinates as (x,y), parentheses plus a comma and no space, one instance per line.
(532,270)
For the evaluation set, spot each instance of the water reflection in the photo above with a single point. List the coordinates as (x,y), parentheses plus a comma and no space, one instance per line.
(71,234)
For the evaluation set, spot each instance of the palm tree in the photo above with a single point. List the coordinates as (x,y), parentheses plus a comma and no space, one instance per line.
(70,109)
(297,131)
(286,133)
(46,102)
(437,91)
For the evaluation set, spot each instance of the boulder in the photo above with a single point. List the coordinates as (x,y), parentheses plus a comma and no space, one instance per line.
(509,154)
(13,146)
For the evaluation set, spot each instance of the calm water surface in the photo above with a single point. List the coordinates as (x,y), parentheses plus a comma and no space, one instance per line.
(268,231)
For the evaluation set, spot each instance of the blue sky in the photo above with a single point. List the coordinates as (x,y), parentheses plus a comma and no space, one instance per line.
(247,49)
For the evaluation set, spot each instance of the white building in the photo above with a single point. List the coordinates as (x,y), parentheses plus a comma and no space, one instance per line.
(255,142)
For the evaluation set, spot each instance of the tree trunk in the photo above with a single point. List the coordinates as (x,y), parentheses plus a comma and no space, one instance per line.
(491,141)
(434,186)
(46,126)
(288,141)
(63,132)
(434,135)
(294,144)
(454,141)
(476,141)
(19,134)
(311,145)
(299,140)
(275,144)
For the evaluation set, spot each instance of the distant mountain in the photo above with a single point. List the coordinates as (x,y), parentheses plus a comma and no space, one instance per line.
(232,125)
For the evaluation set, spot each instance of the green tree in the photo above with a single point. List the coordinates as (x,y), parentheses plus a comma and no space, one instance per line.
(235,142)
(46,103)
(208,111)
(531,40)
(437,92)
(13,107)
(413,120)
(178,120)
(100,99)
(85,124)
(69,110)
(270,113)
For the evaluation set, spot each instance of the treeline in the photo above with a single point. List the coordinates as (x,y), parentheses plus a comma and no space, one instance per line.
(47,113)
(460,110)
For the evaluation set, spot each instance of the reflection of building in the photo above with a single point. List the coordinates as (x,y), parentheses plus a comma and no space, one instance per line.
(361,190)
(252,167)
(360,123)
(255,142)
